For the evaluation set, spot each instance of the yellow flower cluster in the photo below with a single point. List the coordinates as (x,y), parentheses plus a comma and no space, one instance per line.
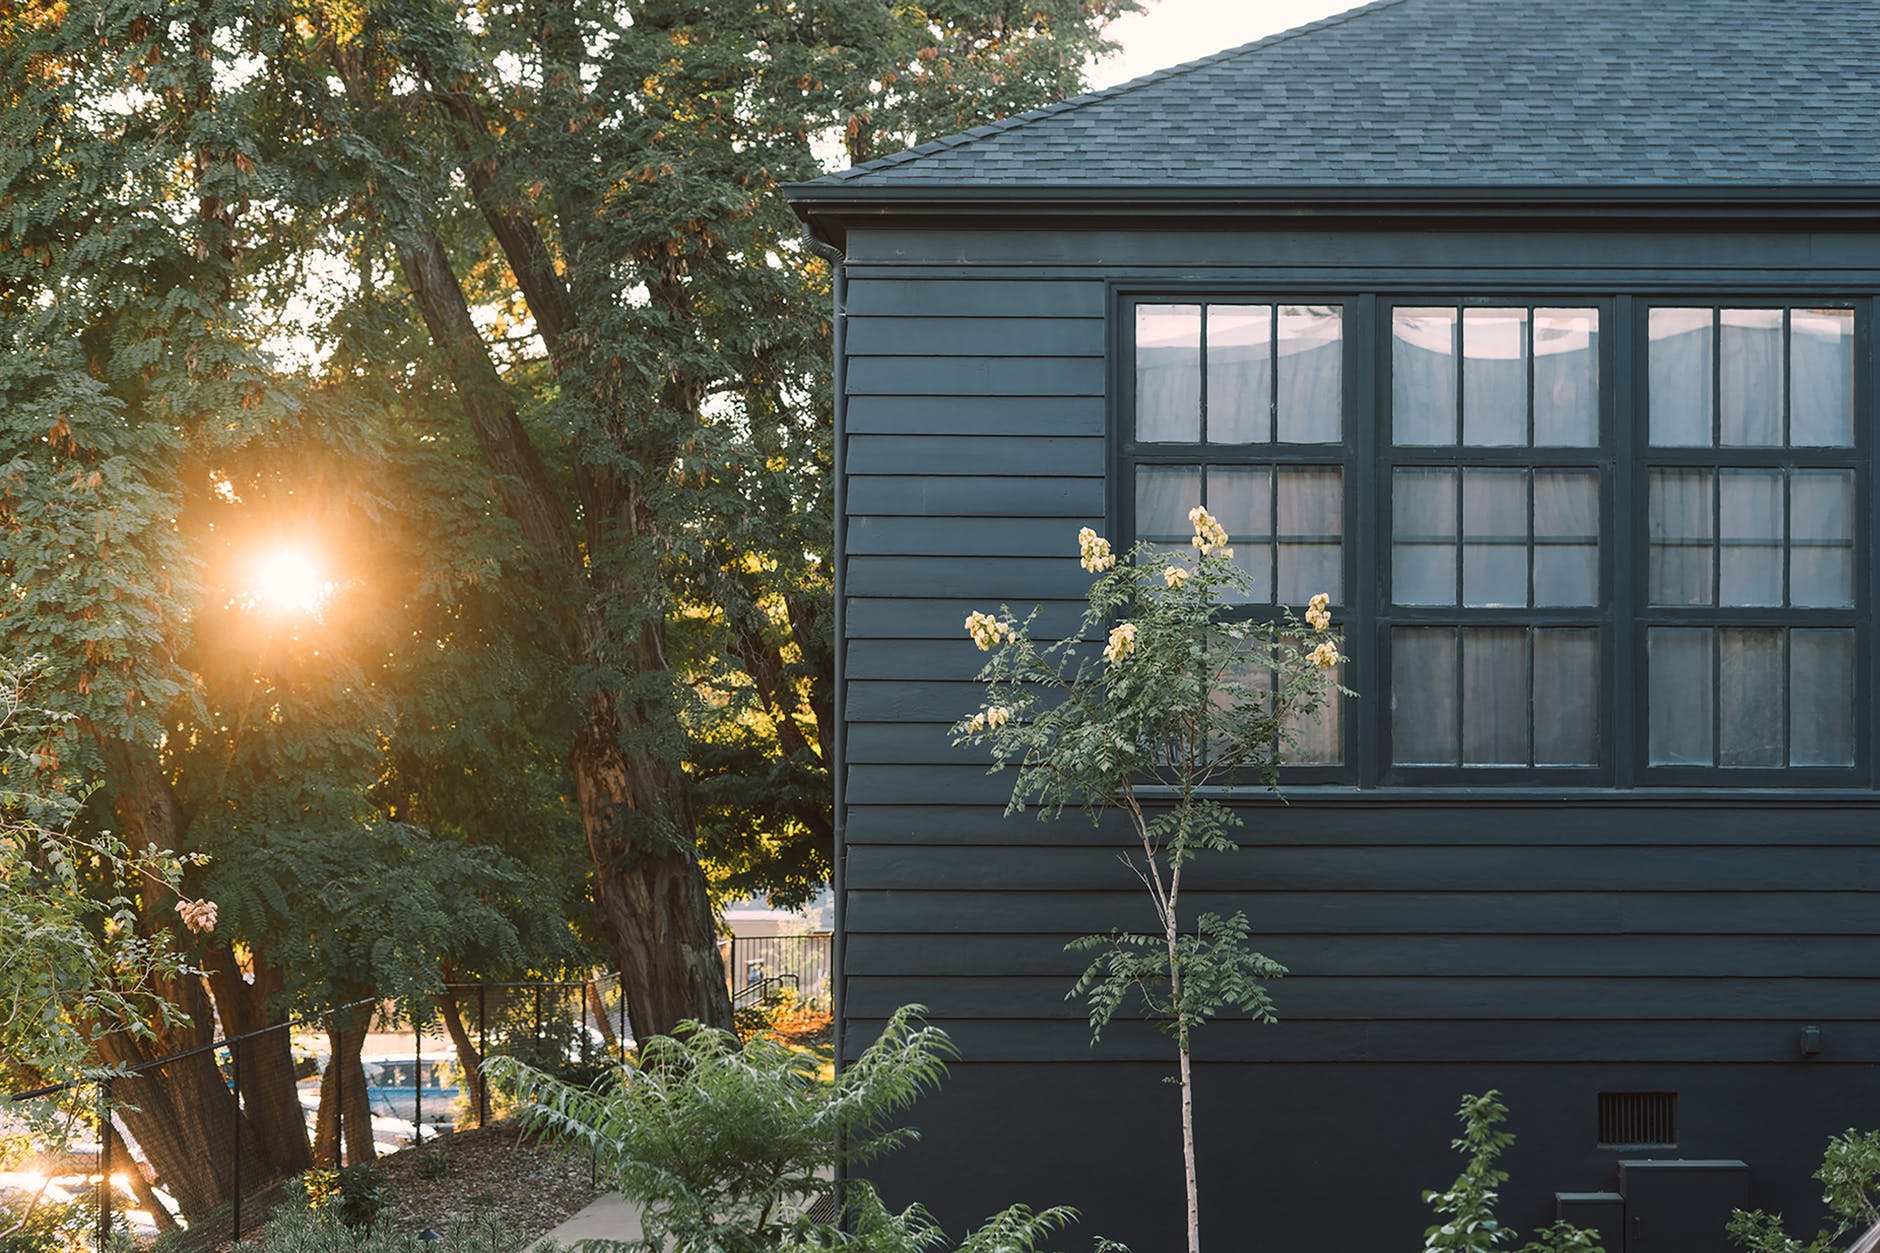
(1210,535)
(1174,576)
(987,631)
(1325,656)
(1122,643)
(197,915)
(989,719)
(1318,613)
(1094,551)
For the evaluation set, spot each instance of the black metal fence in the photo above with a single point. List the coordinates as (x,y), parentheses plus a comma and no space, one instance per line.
(754,962)
(198,1144)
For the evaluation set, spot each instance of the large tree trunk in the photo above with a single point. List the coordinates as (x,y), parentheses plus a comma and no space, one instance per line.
(270,1097)
(343,1090)
(649,888)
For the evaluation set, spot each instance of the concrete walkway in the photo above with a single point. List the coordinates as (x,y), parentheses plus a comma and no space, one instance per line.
(607,1217)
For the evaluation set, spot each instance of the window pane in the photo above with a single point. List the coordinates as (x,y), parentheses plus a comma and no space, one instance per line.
(1311,374)
(1750,515)
(1241,500)
(1310,523)
(1678,691)
(1317,740)
(1680,566)
(1495,542)
(1240,374)
(1821,698)
(1566,697)
(1821,378)
(1750,697)
(1821,538)
(1168,372)
(1566,378)
(1566,538)
(1749,368)
(1423,696)
(1423,537)
(1494,697)
(1494,377)
(1164,495)
(1423,376)
(1679,376)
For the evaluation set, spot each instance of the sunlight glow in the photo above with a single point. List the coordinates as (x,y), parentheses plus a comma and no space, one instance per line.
(288,580)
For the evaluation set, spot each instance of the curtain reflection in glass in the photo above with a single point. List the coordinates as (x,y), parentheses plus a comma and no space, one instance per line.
(1821,698)
(1168,372)
(1679,377)
(1750,517)
(1423,376)
(1821,378)
(1423,537)
(1749,697)
(1241,499)
(1495,540)
(1750,382)
(1566,378)
(1494,696)
(1423,713)
(1311,503)
(1566,676)
(1679,568)
(1164,495)
(1494,377)
(1566,538)
(1240,374)
(1311,374)
(1679,695)
(1821,538)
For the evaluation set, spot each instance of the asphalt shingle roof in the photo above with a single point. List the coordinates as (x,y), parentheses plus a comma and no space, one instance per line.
(1597,93)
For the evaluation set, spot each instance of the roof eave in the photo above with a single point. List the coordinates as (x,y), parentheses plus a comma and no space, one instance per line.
(831,208)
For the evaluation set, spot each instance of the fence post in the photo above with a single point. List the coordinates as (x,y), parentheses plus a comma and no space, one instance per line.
(235,1074)
(104,1164)
(581,991)
(622,1037)
(483,1054)
(417,1078)
(538,1014)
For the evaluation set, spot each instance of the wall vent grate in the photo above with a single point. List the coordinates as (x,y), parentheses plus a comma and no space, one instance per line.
(1638,1120)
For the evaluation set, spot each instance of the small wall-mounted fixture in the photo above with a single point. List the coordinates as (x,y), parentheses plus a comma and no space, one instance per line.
(1809,1041)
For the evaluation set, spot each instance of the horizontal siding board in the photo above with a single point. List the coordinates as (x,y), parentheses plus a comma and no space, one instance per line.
(976,415)
(966,537)
(908,701)
(910,619)
(1510,956)
(1310,819)
(977,455)
(916,495)
(974,376)
(976,298)
(1697,1040)
(974,337)
(1382,913)
(1363,999)
(1022,580)
(1016,866)
(944,660)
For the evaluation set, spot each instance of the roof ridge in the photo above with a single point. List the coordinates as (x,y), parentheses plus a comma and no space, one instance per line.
(962,139)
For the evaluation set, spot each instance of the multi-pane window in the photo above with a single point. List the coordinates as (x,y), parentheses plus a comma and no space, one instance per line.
(1751,578)
(1240,405)
(1594,558)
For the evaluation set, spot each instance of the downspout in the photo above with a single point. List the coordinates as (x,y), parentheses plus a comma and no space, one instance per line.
(838,766)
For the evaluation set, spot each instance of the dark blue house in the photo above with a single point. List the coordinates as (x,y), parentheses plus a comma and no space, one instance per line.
(1539,332)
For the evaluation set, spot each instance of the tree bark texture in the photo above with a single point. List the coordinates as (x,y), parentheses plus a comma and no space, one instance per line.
(270,1095)
(469,1059)
(343,1089)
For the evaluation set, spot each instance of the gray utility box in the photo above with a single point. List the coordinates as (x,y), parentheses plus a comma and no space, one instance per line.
(1602,1213)
(1681,1206)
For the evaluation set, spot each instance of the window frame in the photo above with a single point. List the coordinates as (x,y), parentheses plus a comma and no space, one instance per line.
(1623,457)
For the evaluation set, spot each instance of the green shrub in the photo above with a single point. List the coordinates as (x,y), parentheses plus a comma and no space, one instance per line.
(728,1148)
(49,1227)
(1850,1188)
(299,1229)
(354,1195)
(1467,1208)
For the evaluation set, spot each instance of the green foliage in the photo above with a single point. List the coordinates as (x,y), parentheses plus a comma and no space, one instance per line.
(726,1148)
(318,1229)
(48,1226)
(1467,1207)
(1850,1188)
(354,1195)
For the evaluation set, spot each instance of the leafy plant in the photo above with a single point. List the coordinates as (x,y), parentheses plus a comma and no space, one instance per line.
(1188,699)
(355,1195)
(299,1229)
(1850,1188)
(1467,1207)
(736,1149)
